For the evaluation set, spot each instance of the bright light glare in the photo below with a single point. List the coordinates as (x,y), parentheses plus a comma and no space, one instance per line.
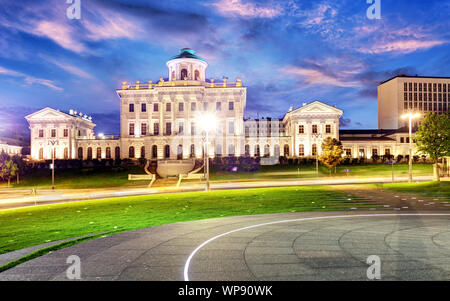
(410,115)
(207,121)
(101,135)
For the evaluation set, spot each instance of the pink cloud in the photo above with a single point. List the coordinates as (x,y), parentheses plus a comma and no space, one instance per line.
(111,26)
(60,33)
(30,79)
(403,46)
(248,9)
(315,77)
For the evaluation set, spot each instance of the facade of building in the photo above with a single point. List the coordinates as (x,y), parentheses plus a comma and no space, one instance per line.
(160,121)
(403,94)
(11,150)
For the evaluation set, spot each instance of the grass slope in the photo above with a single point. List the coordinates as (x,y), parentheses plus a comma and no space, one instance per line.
(24,227)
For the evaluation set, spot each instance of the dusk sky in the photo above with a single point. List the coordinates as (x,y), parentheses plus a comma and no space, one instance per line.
(286,52)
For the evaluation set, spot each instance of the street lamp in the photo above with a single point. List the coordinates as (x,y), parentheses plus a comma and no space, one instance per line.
(208,122)
(316,138)
(410,117)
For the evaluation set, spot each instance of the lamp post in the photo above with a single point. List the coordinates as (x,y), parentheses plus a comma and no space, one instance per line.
(207,123)
(53,149)
(316,138)
(410,117)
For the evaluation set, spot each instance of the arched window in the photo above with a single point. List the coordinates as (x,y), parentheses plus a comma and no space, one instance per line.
(80,153)
(247,150)
(66,153)
(276,150)
(183,73)
(108,153)
(266,150)
(154,151)
(257,151)
(301,150)
(286,150)
(117,152)
(180,152)
(99,152)
(131,152)
(41,154)
(166,151)
(192,155)
(142,151)
(197,75)
(314,150)
(173,75)
(89,154)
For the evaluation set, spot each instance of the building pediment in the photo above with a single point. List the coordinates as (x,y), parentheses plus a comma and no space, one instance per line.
(47,114)
(315,108)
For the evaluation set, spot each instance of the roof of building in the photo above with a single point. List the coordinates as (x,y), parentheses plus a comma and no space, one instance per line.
(187,53)
(412,76)
(358,138)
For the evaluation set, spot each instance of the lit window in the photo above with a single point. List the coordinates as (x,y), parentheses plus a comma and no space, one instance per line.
(131,107)
(155,107)
(328,129)
(143,129)
(53,133)
(301,129)
(168,107)
(66,132)
(131,129)
(143,107)
(314,129)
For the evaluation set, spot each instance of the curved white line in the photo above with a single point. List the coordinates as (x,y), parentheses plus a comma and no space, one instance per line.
(188,261)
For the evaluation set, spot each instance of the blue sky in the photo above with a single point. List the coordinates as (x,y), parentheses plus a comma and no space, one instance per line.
(286,52)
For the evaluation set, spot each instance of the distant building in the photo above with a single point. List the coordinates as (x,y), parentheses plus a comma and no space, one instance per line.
(11,150)
(402,94)
(159,121)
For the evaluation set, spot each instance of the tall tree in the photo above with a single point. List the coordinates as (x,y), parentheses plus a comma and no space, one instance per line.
(8,170)
(433,137)
(332,152)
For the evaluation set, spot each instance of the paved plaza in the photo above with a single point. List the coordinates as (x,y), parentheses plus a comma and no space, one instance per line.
(288,246)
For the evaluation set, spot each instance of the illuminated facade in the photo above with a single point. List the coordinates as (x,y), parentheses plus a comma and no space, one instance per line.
(9,149)
(158,121)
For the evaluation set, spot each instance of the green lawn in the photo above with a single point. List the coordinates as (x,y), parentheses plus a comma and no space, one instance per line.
(24,227)
(309,171)
(426,189)
(118,177)
(83,178)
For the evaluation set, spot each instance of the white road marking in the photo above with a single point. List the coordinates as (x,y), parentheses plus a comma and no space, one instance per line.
(188,261)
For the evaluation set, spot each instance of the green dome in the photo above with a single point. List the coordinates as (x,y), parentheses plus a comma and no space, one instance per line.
(187,53)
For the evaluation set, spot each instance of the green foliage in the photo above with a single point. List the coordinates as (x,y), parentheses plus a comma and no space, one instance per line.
(331,153)
(375,158)
(8,169)
(4,157)
(433,136)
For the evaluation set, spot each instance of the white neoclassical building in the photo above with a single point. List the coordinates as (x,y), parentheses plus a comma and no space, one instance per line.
(160,121)
(9,149)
